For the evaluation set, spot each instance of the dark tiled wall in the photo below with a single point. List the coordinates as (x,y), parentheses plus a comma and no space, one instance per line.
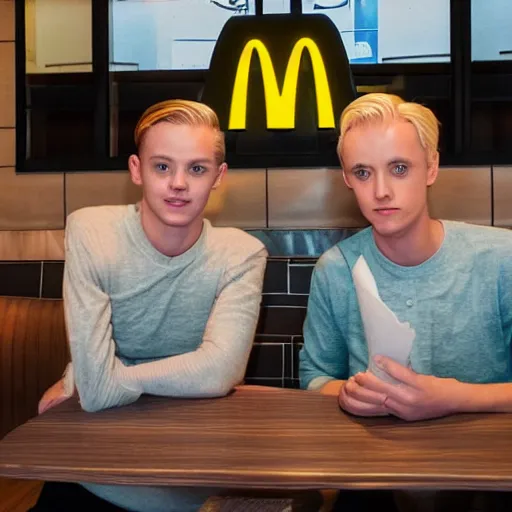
(37,279)
(274,358)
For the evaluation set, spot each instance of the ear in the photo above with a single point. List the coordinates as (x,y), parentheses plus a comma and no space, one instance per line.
(433,169)
(345,179)
(223,169)
(135,169)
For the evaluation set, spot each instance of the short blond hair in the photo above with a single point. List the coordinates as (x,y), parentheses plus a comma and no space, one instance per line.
(181,112)
(379,107)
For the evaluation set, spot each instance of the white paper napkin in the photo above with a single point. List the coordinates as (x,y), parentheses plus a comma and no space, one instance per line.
(385,334)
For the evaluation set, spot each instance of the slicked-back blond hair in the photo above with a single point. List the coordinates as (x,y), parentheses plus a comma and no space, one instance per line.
(181,112)
(380,107)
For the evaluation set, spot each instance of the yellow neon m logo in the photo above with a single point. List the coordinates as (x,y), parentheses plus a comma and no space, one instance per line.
(280,105)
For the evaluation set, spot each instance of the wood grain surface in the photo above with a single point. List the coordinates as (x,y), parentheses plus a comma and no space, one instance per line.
(259,438)
(33,355)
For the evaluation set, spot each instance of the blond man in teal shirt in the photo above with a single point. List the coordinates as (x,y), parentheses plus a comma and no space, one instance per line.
(451,281)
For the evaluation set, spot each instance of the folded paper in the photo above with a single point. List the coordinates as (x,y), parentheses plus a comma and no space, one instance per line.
(385,334)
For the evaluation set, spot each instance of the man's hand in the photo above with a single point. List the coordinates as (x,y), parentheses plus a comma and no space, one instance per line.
(357,400)
(53,396)
(415,396)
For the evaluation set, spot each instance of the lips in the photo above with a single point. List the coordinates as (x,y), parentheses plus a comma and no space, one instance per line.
(176,202)
(386,211)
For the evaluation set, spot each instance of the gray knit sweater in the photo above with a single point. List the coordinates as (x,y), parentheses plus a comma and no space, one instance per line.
(142,322)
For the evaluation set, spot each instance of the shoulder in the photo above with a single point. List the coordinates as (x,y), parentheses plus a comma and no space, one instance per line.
(481,240)
(233,244)
(342,256)
(97,219)
(98,231)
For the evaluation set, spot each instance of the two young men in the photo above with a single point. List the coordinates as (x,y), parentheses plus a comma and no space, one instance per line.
(157,300)
(137,276)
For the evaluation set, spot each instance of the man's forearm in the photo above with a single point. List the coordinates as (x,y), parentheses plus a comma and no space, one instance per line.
(483,397)
(206,372)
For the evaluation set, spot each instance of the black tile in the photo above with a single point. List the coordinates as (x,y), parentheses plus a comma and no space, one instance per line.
(296,348)
(281,320)
(303,261)
(300,278)
(288,361)
(272,338)
(266,361)
(292,383)
(285,300)
(20,279)
(52,280)
(274,383)
(276,277)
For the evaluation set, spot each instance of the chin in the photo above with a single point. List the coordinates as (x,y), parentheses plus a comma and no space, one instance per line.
(175,220)
(394,229)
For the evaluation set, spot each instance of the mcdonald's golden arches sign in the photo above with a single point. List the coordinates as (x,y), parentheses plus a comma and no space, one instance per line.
(278,84)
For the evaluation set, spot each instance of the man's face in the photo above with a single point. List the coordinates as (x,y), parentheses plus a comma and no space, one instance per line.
(177,170)
(386,166)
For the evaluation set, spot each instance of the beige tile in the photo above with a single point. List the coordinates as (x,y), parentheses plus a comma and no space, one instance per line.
(240,200)
(99,188)
(502,196)
(31,201)
(32,245)
(7,20)
(7,87)
(7,146)
(311,198)
(463,194)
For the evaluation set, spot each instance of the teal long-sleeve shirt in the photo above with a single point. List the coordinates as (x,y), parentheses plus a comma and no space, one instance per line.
(459,302)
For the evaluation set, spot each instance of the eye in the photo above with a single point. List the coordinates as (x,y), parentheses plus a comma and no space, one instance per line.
(400,170)
(362,174)
(198,169)
(162,167)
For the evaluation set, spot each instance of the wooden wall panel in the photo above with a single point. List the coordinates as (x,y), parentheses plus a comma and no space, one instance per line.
(311,198)
(7,87)
(31,245)
(31,201)
(7,20)
(7,146)
(462,194)
(502,196)
(99,188)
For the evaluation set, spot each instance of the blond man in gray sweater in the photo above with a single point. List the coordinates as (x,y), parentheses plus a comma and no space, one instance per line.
(157,301)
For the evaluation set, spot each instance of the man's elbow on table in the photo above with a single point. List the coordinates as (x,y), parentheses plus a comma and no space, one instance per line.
(91,400)
(221,384)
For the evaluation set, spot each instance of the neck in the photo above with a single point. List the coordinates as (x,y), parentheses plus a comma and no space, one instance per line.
(169,240)
(414,245)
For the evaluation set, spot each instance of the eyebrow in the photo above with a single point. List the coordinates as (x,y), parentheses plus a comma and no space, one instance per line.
(358,166)
(393,161)
(399,160)
(169,159)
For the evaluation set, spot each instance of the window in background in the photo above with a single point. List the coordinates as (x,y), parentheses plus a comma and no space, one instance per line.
(389,31)
(491,84)
(276,6)
(491,30)
(169,34)
(59,85)
(58,36)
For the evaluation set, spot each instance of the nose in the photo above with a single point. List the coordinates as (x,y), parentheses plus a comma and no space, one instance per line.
(382,187)
(179,180)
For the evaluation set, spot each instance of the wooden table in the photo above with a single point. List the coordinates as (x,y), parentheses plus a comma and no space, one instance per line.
(259,438)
